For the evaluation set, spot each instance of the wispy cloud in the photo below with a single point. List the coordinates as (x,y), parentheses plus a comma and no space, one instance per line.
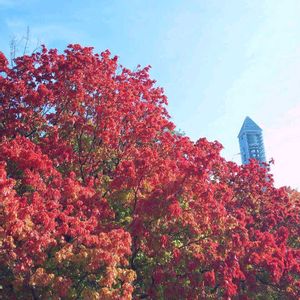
(8,2)
(13,3)
(283,144)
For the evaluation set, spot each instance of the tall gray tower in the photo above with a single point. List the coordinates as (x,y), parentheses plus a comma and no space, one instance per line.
(251,142)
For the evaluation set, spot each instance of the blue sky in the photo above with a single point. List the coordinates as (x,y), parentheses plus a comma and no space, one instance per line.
(218,61)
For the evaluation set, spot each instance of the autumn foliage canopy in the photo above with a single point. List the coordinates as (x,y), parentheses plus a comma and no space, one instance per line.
(100,198)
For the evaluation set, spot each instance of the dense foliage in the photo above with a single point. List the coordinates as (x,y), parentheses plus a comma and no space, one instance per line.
(101,199)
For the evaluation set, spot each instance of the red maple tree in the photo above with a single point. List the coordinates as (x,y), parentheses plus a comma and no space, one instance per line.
(100,198)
